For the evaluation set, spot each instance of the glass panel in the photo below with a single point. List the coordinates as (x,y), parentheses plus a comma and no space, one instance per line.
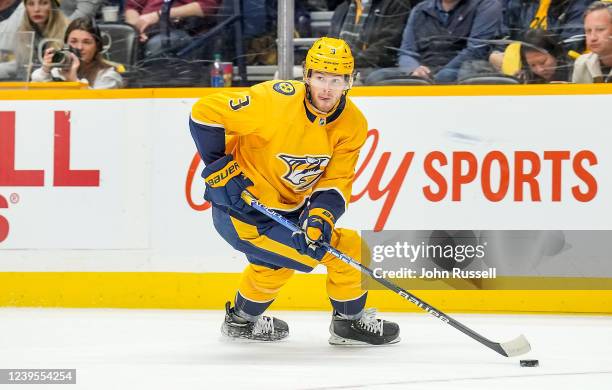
(15,56)
(184,43)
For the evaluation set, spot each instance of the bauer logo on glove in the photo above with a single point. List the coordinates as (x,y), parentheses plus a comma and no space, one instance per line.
(220,178)
(225,182)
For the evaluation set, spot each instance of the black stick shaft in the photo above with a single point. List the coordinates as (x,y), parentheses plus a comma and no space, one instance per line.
(497,347)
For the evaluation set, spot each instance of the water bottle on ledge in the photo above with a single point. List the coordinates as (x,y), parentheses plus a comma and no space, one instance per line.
(216,72)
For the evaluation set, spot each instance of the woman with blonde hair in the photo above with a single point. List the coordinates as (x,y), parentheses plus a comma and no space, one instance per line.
(46,20)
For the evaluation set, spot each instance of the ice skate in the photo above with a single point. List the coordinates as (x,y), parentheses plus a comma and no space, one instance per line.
(264,329)
(368,330)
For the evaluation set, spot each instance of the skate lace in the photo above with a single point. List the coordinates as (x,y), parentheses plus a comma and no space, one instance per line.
(369,322)
(264,325)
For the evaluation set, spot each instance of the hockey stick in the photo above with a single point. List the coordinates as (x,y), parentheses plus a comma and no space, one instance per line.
(511,348)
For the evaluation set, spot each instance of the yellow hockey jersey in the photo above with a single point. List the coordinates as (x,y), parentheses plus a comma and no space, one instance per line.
(283,145)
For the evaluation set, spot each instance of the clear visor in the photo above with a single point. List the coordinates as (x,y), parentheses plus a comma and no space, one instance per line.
(329,81)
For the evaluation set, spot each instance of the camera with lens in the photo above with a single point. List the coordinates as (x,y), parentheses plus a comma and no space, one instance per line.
(62,59)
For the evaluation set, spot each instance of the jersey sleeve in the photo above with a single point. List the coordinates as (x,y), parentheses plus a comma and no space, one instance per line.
(226,113)
(333,191)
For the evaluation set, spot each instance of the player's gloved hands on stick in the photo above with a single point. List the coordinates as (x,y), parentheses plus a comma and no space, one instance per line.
(317,224)
(225,182)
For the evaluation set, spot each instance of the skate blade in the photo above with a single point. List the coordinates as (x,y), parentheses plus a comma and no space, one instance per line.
(342,342)
(232,338)
(244,340)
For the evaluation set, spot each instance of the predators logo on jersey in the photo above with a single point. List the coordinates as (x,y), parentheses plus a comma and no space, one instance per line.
(284,87)
(303,171)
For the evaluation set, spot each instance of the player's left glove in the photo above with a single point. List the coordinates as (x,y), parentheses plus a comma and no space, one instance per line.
(225,182)
(317,225)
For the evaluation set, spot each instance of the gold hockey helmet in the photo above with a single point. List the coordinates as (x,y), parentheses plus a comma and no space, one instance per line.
(330,55)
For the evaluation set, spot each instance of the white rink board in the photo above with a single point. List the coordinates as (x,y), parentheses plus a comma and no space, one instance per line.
(139,217)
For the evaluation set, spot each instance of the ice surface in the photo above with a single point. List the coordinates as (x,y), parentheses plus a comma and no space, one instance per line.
(168,349)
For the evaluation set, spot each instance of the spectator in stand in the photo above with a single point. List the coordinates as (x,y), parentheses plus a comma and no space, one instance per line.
(11,14)
(45,19)
(442,40)
(563,17)
(543,59)
(80,8)
(86,63)
(145,15)
(372,30)
(596,67)
(260,19)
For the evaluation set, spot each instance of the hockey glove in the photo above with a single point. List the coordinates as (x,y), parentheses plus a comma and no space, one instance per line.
(317,225)
(225,183)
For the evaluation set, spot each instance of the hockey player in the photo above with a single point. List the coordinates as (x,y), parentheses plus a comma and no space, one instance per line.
(294,145)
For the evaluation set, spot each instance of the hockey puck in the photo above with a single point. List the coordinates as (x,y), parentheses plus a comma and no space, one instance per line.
(530,363)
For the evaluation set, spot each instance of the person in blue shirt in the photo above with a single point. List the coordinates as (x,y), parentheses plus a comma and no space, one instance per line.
(443,39)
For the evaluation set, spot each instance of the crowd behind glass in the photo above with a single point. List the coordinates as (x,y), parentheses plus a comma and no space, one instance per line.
(180,43)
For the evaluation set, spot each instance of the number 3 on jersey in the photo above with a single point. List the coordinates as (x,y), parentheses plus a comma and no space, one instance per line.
(237,104)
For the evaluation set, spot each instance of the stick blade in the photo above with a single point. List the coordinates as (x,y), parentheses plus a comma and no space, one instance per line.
(516,347)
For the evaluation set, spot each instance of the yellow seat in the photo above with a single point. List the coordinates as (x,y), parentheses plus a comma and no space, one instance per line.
(511,64)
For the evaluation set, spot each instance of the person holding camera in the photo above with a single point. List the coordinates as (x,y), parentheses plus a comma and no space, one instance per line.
(80,60)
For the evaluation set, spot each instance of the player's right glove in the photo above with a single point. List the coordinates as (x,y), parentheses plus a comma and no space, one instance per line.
(317,225)
(225,182)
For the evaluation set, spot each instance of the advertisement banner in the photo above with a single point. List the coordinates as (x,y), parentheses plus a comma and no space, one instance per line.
(114,184)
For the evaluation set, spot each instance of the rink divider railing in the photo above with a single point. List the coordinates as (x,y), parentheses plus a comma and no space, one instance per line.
(185,290)
(169,290)
(435,90)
